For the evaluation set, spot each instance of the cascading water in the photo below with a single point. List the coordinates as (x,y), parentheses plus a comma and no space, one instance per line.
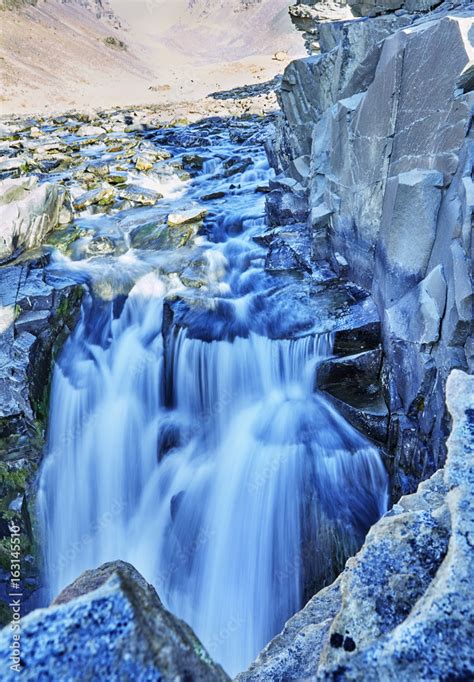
(211,465)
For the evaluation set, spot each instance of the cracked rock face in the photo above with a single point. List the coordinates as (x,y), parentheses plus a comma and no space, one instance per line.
(37,313)
(401,609)
(375,135)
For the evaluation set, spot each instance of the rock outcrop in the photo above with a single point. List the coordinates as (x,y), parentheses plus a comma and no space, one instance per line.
(110,623)
(38,309)
(28,212)
(375,137)
(402,608)
(37,313)
(308,15)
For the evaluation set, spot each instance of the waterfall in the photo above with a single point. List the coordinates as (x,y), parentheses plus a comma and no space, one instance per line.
(224,498)
(207,459)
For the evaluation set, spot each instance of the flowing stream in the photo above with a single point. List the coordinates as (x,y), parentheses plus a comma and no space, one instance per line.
(194,445)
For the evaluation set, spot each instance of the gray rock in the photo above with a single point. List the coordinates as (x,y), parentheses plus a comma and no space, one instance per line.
(140,195)
(383,113)
(417,316)
(36,317)
(402,253)
(34,322)
(90,131)
(28,212)
(371,8)
(286,207)
(109,624)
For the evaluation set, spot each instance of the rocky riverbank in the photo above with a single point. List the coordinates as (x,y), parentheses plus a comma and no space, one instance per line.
(382,161)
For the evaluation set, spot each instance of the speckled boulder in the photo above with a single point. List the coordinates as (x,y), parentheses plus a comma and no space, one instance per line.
(109,625)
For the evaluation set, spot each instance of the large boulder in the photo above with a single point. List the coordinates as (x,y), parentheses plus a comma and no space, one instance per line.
(402,608)
(28,211)
(109,624)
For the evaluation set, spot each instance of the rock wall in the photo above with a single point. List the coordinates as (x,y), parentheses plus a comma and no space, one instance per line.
(37,312)
(376,138)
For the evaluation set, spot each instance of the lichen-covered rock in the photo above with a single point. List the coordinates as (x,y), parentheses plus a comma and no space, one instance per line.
(405,606)
(415,620)
(109,624)
(294,654)
(102,196)
(28,211)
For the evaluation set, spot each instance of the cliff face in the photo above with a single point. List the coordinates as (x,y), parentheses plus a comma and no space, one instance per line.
(376,131)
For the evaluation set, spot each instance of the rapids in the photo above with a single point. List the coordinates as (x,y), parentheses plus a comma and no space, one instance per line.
(199,451)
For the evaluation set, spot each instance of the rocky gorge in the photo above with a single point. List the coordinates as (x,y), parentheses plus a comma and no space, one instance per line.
(325,300)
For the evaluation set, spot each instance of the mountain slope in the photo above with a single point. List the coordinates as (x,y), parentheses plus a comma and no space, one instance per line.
(58,54)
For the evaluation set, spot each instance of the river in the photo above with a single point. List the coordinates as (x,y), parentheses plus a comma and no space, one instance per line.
(185,433)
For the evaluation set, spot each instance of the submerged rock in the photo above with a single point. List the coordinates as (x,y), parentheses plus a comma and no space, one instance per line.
(110,623)
(140,195)
(193,215)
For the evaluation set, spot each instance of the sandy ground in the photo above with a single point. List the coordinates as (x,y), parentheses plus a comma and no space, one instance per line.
(55,56)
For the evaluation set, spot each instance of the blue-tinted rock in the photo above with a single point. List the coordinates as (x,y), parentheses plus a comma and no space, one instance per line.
(108,625)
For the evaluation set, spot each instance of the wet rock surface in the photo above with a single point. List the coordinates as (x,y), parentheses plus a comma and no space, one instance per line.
(109,620)
(354,386)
